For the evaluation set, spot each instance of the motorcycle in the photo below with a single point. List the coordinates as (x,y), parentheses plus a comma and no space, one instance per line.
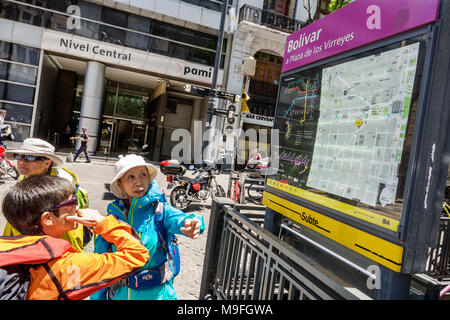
(188,190)
(6,166)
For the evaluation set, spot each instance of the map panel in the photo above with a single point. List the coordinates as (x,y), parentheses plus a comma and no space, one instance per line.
(364,109)
(298,113)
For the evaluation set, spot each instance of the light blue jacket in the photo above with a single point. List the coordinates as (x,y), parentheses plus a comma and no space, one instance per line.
(141,218)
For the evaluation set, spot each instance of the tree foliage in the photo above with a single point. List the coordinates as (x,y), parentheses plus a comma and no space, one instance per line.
(337,4)
(312,9)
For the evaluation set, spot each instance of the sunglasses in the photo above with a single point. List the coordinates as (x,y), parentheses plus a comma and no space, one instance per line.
(70,202)
(29,158)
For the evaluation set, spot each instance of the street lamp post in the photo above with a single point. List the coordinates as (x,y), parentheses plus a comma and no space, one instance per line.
(210,115)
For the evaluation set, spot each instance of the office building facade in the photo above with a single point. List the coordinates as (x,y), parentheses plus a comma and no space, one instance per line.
(119,68)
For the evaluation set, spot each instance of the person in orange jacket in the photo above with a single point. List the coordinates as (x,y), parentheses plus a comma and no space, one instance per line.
(43,208)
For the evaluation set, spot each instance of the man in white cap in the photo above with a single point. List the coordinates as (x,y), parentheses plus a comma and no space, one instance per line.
(84,138)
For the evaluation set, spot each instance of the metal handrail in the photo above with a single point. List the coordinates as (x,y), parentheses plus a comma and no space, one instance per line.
(269,19)
(331,253)
(245,261)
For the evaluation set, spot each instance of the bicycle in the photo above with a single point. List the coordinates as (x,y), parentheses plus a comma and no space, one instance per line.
(235,191)
(446,208)
(255,188)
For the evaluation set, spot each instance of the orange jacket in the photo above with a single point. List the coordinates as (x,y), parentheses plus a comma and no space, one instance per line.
(74,275)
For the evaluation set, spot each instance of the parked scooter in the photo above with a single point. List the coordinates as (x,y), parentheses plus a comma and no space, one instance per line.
(188,190)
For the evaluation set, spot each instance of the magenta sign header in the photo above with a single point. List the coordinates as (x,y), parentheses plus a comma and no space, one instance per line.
(357,24)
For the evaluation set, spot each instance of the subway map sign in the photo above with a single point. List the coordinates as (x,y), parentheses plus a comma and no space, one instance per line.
(346,125)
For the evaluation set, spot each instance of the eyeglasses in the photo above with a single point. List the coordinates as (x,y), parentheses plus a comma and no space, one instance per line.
(70,202)
(28,157)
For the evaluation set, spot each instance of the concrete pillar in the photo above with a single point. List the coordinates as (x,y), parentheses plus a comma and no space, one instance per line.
(91,103)
(160,103)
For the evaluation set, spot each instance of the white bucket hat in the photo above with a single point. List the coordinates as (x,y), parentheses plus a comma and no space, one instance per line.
(123,165)
(36,147)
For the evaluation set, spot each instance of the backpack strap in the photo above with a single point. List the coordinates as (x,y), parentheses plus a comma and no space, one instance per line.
(169,242)
(168,269)
(62,294)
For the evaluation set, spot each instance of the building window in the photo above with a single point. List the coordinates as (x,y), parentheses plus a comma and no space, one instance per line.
(136,40)
(18,53)
(20,131)
(18,76)
(123,28)
(89,29)
(17,113)
(18,73)
(117,18)
(281,7)
(215,5)
(16,93)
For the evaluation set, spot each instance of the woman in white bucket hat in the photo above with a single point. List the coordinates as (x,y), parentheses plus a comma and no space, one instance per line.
(37,157)
(141,203)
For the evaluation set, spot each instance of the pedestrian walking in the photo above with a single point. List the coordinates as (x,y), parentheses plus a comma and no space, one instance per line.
(84,138)
(220,158)
(41,266)
(37,157)
(142,204)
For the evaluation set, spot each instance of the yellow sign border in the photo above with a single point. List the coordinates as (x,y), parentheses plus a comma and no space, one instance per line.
(377,249)
(365,215)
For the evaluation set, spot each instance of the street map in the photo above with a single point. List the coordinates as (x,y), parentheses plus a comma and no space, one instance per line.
(364,109)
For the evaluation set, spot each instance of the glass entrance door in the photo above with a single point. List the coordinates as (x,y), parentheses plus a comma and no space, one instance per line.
(138,136)
(128,136)
(124,127)
(106,138)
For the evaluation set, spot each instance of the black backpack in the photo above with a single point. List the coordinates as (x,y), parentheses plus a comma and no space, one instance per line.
(14,281)
(17,257)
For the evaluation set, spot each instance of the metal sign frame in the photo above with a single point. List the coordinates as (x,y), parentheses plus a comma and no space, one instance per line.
(404,250)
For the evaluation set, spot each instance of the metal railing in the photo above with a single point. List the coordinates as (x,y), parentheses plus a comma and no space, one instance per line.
(438,265)
(246,262)
(270,19)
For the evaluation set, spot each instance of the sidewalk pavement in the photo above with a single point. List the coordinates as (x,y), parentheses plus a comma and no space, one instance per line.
(96,176)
